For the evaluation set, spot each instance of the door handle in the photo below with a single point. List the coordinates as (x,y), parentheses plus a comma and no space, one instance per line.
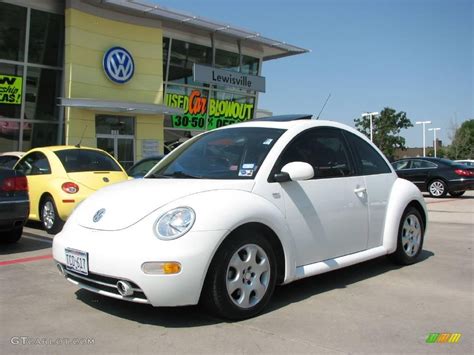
(360,190)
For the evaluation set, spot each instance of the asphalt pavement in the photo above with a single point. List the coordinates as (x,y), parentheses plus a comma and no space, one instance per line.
(374,307)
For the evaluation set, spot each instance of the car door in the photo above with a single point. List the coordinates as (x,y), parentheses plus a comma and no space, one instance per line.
(327,215)
(419,172)
(402,167)
(379,180)
(37,169)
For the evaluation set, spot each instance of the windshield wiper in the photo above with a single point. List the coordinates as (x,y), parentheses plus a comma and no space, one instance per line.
(175,174)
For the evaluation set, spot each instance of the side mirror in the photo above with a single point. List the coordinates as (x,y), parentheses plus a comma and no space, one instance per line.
(295,171)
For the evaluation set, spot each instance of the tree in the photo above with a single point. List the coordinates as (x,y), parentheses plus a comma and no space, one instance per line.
(386,129)
(462,146)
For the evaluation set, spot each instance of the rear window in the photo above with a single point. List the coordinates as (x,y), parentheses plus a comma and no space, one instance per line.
(79,160)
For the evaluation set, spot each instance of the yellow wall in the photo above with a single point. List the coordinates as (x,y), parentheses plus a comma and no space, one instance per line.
(88,37)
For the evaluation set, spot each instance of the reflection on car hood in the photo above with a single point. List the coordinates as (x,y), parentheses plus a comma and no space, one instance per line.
(126,203)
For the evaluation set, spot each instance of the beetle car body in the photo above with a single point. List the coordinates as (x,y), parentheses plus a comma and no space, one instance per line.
(235,211)
(60,177)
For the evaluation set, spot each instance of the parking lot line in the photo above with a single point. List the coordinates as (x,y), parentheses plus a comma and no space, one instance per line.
(26,260)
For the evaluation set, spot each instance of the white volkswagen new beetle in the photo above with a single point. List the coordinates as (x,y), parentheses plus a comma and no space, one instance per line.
(235,211)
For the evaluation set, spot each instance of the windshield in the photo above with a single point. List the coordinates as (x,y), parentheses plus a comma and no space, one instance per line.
(232,153)
(80,160)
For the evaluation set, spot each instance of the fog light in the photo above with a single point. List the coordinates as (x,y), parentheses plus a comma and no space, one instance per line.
(161,268)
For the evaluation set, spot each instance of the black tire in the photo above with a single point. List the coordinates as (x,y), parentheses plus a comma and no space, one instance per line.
(437,188)
(405,254)
(12,236)
(216,297)
(456,193)
(50,219)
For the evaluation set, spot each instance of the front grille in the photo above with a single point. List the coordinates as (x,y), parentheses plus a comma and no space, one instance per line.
(105,283)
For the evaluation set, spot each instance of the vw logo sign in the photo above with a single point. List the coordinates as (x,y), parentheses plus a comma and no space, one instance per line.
(118,65)
(98,215)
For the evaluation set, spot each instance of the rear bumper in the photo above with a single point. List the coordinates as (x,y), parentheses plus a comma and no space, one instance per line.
(461,184)
(13,214)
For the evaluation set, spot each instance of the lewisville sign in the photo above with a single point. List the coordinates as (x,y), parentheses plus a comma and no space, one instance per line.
(10,89)
(195,106)
(211,75)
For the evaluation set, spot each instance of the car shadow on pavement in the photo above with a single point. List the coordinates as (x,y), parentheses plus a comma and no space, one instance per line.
(196,316)
(24,245)
(311,286)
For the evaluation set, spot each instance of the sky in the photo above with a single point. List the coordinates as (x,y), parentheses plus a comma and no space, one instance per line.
(414,56)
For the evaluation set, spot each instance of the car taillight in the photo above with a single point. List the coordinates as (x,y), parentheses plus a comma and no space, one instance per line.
(16,183)
(70,187)
(463,172)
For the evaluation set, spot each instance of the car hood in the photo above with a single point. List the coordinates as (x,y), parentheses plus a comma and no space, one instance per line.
(124,204)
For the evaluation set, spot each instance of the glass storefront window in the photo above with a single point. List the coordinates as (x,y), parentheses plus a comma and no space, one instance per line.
(227,108)
(9,135)
(250,65)
(39,135)
(119,125)
(42,91)
(11,90)
(183,56)
(12,32)
(227,60)
(46,38)
(193,101)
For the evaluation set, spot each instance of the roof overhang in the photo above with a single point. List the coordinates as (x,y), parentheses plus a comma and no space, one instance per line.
(120,106)
(271,48)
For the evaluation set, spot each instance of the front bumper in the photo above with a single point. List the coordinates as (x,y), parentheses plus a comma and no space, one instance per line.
(119,255)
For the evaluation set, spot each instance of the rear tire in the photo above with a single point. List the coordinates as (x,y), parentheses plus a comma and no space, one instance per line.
(411,234)
(456,193)
(241,278)
(50,219)
(13,236)
(437,188)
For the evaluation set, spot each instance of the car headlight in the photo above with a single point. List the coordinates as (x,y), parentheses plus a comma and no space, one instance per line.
(175,223)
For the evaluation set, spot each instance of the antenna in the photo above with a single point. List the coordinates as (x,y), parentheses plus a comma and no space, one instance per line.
(78,145)
(319,114)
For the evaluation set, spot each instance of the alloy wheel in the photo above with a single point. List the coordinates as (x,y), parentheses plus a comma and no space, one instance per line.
(49,215)
(411,235)
(437,188)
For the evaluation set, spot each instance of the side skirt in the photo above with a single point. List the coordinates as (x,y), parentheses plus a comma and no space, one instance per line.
(337,263)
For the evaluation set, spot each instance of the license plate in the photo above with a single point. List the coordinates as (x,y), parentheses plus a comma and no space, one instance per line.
(77,261)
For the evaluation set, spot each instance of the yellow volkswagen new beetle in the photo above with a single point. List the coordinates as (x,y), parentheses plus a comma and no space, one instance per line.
(60,177)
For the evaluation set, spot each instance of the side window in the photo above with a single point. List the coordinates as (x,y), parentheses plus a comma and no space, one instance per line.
(35,163)
(324,149)
(369,160)
(422,164)
(401,165)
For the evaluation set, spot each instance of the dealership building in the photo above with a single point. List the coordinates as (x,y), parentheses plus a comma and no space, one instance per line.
(130,77)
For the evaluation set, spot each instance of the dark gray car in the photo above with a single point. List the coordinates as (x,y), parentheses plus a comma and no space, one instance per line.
(14,204)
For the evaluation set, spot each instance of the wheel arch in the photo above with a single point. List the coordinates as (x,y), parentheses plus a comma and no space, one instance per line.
(404,194)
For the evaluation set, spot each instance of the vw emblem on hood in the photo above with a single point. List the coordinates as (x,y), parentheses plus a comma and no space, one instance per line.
(118,65)
(98,215)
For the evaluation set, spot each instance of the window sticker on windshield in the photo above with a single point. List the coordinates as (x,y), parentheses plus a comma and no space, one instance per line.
(248,166)
(268,141)
(245,172)
(233,168)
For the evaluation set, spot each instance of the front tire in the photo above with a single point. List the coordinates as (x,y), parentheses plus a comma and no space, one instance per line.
(437,188)
(456,193)
(410,237)
(241,278)
(50,219)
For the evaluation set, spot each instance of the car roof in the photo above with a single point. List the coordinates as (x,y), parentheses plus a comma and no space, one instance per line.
(56,148)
